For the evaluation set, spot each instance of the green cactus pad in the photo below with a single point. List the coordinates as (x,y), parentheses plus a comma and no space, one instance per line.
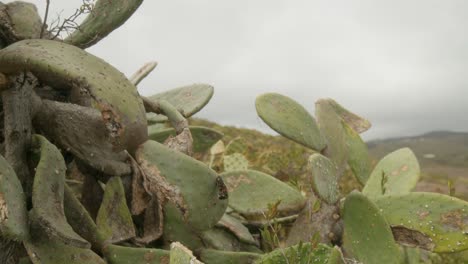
(114,219)
(176,229)
(81,221)
(355,122)
(237,228)
(220,239)
(330,124)
(187,99)
(290,119)
(396,173)
(250,193)
(104,18)
(325,178)
(181,255)
(48,193)
(431,221)
(235,162)
(203,137)
(13,213)
(122,255)
(43,249)
(303,253)
(186,182)
(367,236)
(358,159)
(211,256)
(93,82)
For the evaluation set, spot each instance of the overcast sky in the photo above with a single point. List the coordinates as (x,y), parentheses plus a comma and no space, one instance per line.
(402,64)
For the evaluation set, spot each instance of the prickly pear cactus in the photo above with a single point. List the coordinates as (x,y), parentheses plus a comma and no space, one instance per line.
(396,173)
(290,119)
(431,221)
(367,237)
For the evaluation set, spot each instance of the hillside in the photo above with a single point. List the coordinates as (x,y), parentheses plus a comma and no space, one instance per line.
(443,156)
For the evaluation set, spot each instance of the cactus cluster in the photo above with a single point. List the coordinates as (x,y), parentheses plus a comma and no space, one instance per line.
(93,172)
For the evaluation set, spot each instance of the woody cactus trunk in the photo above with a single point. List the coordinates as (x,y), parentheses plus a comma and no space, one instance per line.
(93,172)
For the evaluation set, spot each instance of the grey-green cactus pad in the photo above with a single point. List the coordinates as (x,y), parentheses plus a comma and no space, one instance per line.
(237,228)
(330,123)
(367,236)
(104,18)
(358,158)
(48,193)
(325,178)
(290,119)
(354,121)
(396,173)
(114,219)
(203,137)
(13,212)
(187,182)
(187,99)
(250,193)
(432,221)
(119,255)
(42,249)
(65,66)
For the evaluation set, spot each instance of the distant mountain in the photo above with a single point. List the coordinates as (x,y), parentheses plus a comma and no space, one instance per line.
(438,148)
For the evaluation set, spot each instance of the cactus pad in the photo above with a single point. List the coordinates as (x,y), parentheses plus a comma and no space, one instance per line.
(13,214)
(43,249)
(431,221)
(187,99)
(367,236)
(203,137)
(250,193)
(186,182)
(212,256)
(103,19)
(235,162)
(237,228)
(355,122)
(48,193)
(81,221)
(114,219)
(330,124)
(396,173)
(118,255)
(92,81)
(290,119)
(325,178)
(358,158)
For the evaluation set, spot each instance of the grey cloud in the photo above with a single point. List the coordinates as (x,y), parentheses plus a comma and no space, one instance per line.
(401,64)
